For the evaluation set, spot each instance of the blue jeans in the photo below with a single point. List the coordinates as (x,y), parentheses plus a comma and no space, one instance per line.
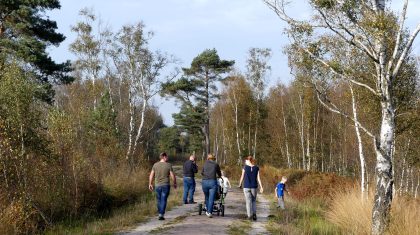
(209,189)
(162,193)
(189,189)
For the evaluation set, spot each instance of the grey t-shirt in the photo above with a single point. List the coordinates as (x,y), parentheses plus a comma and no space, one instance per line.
(162,170)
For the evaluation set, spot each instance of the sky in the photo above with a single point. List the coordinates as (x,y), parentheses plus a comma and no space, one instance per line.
(185,28)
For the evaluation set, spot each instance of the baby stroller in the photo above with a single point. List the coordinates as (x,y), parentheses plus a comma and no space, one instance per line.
(219,203)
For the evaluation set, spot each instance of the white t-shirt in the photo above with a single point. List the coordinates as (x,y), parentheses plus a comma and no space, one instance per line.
(224,184)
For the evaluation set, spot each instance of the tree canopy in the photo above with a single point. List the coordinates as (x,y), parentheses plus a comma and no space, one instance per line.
(25,34)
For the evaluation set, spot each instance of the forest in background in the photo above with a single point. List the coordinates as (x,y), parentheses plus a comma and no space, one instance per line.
(77,138)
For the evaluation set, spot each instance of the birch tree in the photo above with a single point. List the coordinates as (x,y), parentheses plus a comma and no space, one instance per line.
(371,28)
(140,68)
(87,48)
(257,71)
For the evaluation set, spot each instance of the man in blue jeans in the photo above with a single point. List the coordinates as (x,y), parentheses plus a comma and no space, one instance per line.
(160,172)
(190,168)
(210,173)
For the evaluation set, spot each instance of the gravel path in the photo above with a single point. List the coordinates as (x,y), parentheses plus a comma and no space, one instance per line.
(185,219)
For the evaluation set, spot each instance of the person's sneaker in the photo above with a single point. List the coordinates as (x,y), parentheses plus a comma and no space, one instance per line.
(254,217)
(249,218)
(161,217)
(193,202)
(209,215)
(186,203)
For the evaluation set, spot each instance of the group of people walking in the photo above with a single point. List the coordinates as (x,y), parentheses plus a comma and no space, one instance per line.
(212,176)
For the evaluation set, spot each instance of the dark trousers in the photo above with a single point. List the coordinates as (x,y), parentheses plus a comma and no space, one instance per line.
(189,189)
(209,189)
(162,193)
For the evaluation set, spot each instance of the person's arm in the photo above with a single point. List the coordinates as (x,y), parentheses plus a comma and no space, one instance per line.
(151,176)
(228,182)
(218,171)
(173,178)
(285,188)
(241,179)
(194,167)
(259,182)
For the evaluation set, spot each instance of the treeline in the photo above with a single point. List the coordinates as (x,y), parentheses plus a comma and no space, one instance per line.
(76,139)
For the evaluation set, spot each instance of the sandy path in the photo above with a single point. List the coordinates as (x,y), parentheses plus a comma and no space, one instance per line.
(185,220)
(263,211)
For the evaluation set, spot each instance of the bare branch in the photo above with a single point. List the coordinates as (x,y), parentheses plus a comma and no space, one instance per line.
(397,43)
(334,109)
(406,50)
(344,76)
(353,41)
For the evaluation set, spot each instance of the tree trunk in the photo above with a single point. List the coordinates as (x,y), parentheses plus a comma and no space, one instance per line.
(289,163)
(301,134)
(235,108)
(360,144)
(131,128)
(384,177)
(417,187)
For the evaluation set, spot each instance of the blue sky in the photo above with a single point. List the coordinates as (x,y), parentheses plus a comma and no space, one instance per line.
(184,28)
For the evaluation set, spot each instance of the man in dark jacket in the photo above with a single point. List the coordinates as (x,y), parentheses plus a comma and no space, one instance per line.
(190,168)
(210,173)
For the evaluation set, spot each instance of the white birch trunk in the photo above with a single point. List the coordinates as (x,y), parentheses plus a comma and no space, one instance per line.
(308,152)
(360,144)
(289,163)
(235,109)
(402,177)
(417,187)
(131,125)
(300,129)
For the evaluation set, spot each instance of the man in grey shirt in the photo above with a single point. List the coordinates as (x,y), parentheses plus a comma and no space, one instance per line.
(160,172)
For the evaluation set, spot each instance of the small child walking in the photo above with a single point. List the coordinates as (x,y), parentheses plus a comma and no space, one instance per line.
(225,183)
(280,188)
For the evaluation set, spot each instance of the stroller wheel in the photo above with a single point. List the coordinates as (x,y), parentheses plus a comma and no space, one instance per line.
(200,208)
(222,210)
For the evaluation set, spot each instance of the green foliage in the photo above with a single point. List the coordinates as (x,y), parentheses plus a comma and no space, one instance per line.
(208,62)
(25,34)
(169,140)
(196,90)
(326,4)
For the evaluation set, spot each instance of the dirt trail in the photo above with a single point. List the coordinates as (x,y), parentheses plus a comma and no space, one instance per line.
(185,219)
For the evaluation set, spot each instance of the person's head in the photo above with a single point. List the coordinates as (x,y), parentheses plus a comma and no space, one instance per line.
(192,157)
(223,173)
(283,179)
(249,160)
(211,157)
(163,157)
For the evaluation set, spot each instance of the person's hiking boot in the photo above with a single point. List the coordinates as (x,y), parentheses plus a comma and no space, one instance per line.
(192,202)
(209,215)
(254,217)
(161,217)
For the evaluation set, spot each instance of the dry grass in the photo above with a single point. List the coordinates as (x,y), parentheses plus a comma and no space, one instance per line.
(350,212)
(132,203)
(353,214)
(121,219)
(125,187)
(405,216)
